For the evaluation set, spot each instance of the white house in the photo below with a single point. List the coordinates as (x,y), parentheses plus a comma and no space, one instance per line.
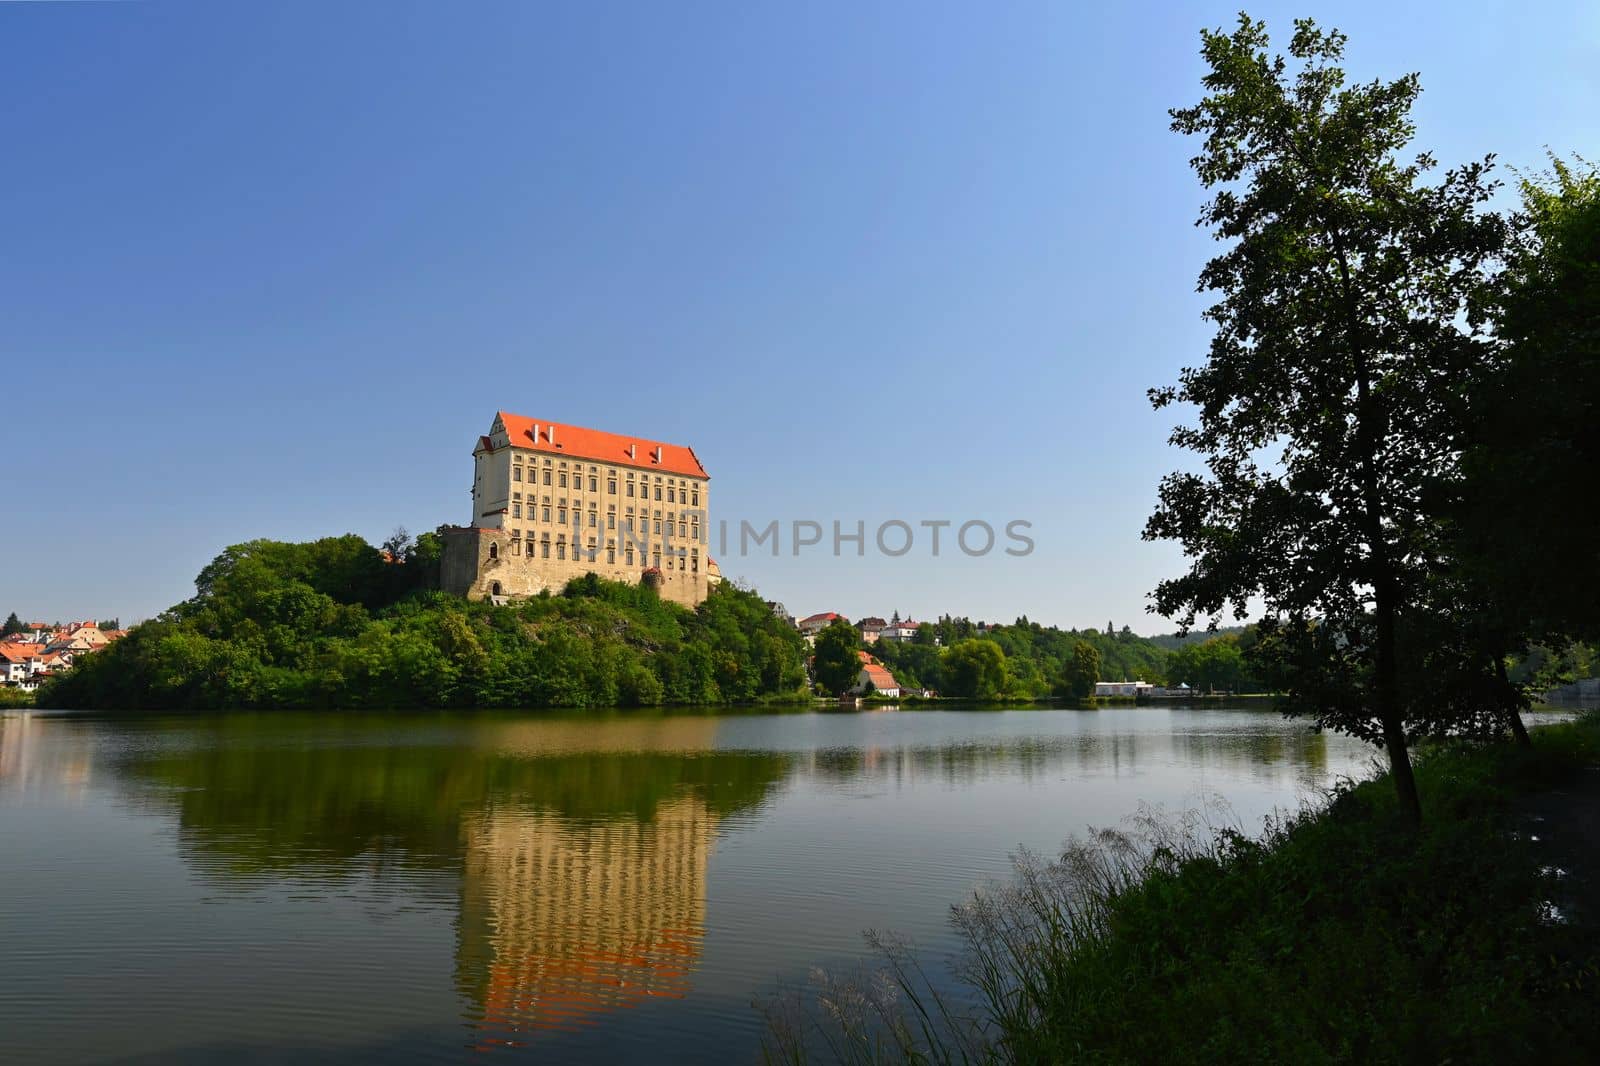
(1122,688)
(900,632)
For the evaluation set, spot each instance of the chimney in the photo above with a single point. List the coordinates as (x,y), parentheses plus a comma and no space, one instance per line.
(550,432)
(658,453)
(633,452)
(536,433)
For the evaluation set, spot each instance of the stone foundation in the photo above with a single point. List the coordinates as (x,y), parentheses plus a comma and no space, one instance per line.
(480,563)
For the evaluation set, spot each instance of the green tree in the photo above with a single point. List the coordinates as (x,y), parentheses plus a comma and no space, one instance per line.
(975,669)
(1536,443)
(1351,298)
(1078,679)
(13,625)
(834,662)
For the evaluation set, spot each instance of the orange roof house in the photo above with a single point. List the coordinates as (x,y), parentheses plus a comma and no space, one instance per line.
(882,680)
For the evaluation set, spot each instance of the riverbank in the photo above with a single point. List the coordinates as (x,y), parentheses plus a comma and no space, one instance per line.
(1340,935)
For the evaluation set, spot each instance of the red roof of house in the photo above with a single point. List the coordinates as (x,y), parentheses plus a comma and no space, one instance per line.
(825,616)
(880,678)
(865,658)
(577,442)
(19,653)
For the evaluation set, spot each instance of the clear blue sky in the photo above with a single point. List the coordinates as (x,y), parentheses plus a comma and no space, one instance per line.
(267,270)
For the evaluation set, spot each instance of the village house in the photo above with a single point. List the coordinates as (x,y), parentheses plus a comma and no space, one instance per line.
(554,502)
(27,658)
(901,632)
(813,624)
(870,628)
(875,678)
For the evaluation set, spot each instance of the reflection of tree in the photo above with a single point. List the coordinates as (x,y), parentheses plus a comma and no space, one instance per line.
(280,792)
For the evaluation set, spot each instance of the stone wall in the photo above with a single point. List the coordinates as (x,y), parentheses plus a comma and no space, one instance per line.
(478,563)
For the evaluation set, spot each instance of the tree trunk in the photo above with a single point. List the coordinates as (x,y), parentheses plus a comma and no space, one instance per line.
(1394,730)
(1518,730)
(1385,669)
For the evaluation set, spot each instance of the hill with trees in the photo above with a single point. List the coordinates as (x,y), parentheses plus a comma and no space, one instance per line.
(339,623)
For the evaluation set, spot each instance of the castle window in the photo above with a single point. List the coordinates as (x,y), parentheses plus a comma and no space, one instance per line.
(516,473)
(547,474)
(516,510)
(658,525)
(658,492)
(672,496)
(494,551)
(516,547)
(656,559)
(544,547)
(594,518)
(546,510)
(611,486)
(594,483)
(694,561)
(696,500)
(682,530)
(561,547)
(611,551)
(628,551)
(630,488)
(563,479)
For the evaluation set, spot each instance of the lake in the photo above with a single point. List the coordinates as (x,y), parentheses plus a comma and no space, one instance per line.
(434,887)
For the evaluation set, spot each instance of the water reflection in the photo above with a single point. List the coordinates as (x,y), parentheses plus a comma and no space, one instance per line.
(563,921)
(582,864)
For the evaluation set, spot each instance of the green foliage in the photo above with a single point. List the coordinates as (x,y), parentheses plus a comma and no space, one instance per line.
(11,698)
(1352,301)
(834,661)
(13,624)
(1037,658)
(1215,665)
(1082,671)
(975,669)
(1536,440)
(333,624)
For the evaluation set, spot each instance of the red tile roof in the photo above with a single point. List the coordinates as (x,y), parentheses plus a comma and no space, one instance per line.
(20,653)
(576,442)
(825,616)
(880,678)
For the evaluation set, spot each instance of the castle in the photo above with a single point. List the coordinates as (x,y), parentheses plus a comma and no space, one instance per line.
(553,502)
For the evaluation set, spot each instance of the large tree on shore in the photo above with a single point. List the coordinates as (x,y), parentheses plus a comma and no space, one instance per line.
(1536,446)
(13,624)
(1350,311)
(834,661)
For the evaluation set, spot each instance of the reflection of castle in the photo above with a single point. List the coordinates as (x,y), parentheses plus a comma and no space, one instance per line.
(562,920)
(32,762)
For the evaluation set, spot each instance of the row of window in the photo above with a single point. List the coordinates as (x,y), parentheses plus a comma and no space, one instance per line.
(671,525)
(672,560)
(675,491)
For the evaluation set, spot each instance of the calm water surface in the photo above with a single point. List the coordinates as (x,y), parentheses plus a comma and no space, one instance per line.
(387,888)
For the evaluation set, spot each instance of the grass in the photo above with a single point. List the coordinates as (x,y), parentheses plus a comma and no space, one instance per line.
(1337,936)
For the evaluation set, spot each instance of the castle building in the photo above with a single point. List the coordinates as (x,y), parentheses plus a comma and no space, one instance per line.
(554,502)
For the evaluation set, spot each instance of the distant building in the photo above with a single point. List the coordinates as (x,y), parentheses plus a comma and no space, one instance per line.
(900,632)
(554,502)
(878,679)
(870,628)
(1122,688)
(812,624)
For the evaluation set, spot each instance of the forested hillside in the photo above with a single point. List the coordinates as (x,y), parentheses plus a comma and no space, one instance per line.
(337,623)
